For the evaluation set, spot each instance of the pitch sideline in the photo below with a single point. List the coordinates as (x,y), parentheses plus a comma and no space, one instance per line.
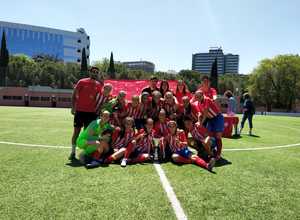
(228,149)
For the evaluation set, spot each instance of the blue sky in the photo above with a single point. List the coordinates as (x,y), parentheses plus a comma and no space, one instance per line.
(168,32)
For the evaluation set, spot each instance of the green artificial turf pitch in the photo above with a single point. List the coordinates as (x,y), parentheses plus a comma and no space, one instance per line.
(40,183)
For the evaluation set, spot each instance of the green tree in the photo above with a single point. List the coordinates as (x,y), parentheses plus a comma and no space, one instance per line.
(21,68)
(4,60)
(103,66)
(276,82)
(111,69)
(234,82)
(84,66)
(191,78)
(25,71)
(214,74)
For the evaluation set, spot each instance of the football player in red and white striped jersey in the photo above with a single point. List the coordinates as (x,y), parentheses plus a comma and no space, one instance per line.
(138,109)
(161,126)
(171,106)
(133,107)
(118,108)
(103,97)
(200,136)
(121,139)
(188,109)
(140,150)
(155,105)
(176,142)
(210,111)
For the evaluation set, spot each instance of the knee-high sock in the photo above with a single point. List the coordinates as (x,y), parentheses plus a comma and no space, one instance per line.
(141,158)
(128,150)
(162,148)
(219,146)
(181,159)
(200,162)
(109,159)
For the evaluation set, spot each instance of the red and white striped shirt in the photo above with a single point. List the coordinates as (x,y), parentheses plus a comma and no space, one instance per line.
(155,109)
(193,112)
(137,112)
(161,128)
(132,111)
(175,142)
(118,141)
(170,108)
(101,100)
(198,132)
(145,143)
(212,109)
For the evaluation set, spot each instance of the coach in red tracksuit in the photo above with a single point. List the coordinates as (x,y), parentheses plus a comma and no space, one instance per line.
(84,104)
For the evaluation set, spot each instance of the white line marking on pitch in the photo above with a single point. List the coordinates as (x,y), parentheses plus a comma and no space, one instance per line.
(262,148)
(33,145)
(170,193)
(228,149)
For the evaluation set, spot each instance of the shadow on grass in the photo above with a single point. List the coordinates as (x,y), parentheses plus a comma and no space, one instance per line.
(74,163)
(253,135)
(235,136)
(223,162)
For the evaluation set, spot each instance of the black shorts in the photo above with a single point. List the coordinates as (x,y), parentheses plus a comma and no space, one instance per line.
(83,119)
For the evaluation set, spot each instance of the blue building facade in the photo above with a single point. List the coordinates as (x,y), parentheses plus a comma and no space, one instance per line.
(33,40)
(227,63)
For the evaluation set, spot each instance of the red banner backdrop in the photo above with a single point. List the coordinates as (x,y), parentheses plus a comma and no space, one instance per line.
(134,87)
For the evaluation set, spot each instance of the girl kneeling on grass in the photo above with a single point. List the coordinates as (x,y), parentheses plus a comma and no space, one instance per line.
(121,139)
(210,112)
(140,150)
(177,144)
(200,139)
(89,139)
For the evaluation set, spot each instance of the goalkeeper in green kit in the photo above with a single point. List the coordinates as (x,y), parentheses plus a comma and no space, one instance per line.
(95,139)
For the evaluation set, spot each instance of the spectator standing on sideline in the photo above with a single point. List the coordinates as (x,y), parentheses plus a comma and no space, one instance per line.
(248,112)
(231,103)
(231,107)
(84,104)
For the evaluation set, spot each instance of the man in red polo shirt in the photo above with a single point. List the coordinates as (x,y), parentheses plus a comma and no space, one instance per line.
(84,104)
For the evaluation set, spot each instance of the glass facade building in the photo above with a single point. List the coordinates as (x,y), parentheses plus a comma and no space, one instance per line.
(227,63)
(33,40)
(231,63)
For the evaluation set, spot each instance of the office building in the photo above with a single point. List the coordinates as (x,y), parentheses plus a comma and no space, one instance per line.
(227,63)
(34,40)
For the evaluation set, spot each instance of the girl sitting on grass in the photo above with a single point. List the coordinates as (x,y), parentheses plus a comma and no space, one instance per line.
(176,143)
